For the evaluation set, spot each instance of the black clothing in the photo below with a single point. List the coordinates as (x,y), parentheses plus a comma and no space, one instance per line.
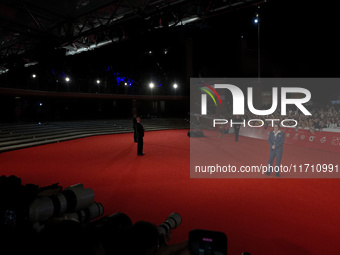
(236,127)
(140,135)
(134,123)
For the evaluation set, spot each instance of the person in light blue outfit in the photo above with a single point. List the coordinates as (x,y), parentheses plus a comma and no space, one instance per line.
(276,139)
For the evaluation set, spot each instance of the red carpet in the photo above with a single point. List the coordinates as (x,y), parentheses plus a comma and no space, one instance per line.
(261,216)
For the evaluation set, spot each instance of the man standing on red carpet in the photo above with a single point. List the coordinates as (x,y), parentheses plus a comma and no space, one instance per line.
(140,135)
(134,122)
(237,126)
(276,139)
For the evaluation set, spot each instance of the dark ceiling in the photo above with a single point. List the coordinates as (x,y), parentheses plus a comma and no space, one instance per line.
(29,28)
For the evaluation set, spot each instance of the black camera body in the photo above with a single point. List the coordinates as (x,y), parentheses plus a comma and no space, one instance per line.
(30,205)
(207,242)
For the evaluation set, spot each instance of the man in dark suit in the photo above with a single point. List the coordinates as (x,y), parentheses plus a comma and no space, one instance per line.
(237,126)
(276,139)
(140,135)
(134,123)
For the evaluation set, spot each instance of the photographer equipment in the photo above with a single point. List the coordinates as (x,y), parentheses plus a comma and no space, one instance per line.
(75,201)
(42,208)
(77,197)
(164,229)
(172,222)
(14,200)
(206,242)
(146,238)
(86,215)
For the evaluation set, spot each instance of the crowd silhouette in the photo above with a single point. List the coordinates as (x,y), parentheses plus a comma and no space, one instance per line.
(64,234)
(323,116)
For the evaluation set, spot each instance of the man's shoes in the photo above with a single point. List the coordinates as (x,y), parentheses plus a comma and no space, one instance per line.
(141,154)
(268,173)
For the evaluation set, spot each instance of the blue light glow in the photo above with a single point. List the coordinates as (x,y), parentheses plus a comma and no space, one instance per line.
(62,75)
(123,79)
(119,77)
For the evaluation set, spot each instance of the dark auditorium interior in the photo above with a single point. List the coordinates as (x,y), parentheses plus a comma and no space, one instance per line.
(74,73)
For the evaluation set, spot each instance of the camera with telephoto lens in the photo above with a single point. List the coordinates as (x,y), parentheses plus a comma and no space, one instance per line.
(164,229)
(73,202)
(30,205)
(145,237)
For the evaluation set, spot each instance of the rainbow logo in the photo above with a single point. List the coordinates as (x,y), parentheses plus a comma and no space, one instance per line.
(209,93)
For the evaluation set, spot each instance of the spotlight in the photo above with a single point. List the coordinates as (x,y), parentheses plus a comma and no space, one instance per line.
(151,85)
(67,79)
(175,86)
(34,75)
(98,81)
(256,20)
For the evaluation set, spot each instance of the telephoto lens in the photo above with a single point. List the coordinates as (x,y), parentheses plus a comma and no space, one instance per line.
(78,197)
(42,208)
(164,229)
(86,215)
(71,200)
